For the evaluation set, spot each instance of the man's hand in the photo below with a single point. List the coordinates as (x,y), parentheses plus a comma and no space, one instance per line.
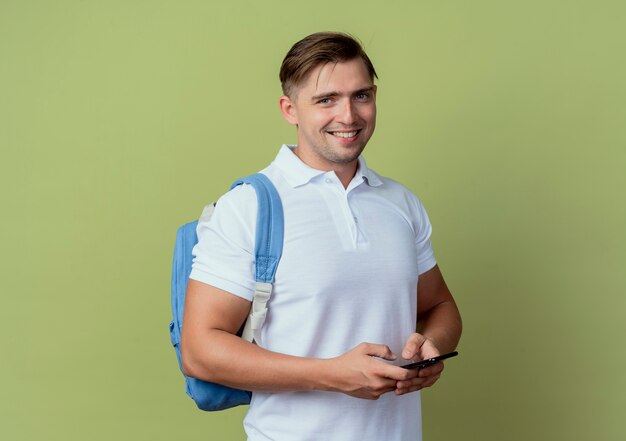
(358,374)
(419,348)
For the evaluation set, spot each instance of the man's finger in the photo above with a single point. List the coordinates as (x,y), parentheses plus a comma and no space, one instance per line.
(381,351)
(429,371)
(412,346)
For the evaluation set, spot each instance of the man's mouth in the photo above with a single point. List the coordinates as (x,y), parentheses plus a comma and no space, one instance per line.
(344,134)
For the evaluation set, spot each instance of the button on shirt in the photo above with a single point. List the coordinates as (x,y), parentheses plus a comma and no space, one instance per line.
(348,274)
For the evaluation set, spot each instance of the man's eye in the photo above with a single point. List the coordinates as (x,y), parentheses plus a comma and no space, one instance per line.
(324,101)
(362,96)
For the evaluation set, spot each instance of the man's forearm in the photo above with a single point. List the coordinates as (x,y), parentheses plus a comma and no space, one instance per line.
(243,365)
(442,325)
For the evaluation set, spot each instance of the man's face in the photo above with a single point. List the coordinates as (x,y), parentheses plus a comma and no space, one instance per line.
(335,112)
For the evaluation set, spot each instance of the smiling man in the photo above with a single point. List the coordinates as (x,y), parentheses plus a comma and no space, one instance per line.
(335,112)
(357,284)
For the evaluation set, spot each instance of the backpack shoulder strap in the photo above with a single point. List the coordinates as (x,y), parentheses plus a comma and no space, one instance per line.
(268,249)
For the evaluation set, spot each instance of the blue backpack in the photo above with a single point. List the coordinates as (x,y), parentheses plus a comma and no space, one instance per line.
(268,249)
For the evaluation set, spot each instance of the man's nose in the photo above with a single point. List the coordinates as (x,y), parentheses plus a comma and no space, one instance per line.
(346,113)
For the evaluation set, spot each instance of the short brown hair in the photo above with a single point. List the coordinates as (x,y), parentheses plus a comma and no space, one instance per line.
(316,49)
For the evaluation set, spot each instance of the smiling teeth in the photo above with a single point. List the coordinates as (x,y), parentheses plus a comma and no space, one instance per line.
(344,134)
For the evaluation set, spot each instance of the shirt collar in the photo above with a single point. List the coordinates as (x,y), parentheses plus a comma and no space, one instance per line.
(370,177)
(297,173)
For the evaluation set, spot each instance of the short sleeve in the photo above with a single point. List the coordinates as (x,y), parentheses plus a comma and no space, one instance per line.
(423,230)
(224,254)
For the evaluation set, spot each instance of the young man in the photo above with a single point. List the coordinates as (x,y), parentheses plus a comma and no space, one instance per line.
(357,283)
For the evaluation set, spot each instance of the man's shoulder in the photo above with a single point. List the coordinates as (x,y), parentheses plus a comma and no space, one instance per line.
(398,193)
(240,202)
(388,184)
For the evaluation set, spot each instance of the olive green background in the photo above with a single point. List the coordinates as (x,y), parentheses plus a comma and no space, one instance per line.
(119,120)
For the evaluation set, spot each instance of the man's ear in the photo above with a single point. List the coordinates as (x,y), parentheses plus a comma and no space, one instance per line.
(288,110)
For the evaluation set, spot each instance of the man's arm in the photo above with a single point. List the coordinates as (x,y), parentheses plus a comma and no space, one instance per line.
(438,329)
(212,352)
(438,318)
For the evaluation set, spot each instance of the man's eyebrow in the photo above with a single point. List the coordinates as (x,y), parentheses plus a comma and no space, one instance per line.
(334,93)
(331,94)
(365,89)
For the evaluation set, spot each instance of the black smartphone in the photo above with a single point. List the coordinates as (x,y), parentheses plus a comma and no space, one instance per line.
(429,361)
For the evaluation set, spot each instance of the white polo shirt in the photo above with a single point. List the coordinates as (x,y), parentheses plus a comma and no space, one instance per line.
(348,274)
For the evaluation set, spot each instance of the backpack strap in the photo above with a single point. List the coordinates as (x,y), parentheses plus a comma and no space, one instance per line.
(268,249)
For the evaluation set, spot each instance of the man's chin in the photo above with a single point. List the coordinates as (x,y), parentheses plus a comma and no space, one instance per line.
(345,154)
